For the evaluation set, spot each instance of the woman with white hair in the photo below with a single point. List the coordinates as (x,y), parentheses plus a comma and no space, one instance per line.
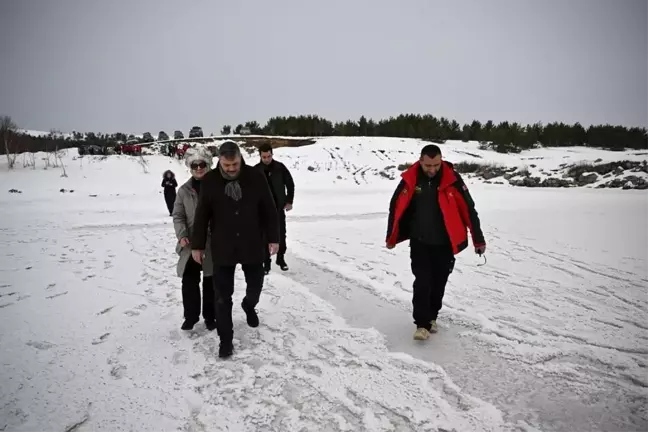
(199,161)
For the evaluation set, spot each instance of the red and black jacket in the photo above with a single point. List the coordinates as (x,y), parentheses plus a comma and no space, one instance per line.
(457,207)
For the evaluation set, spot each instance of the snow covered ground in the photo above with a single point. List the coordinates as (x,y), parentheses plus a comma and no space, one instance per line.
(549,335)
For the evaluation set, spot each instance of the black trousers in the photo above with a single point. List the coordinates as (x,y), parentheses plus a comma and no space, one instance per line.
(191,293)
(224,289)
(169,197)
(282,237)
(431,266)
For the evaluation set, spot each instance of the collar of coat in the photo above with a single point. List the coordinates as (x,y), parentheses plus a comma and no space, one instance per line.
(448,177)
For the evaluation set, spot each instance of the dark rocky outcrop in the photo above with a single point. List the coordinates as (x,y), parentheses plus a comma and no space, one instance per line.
(566,175)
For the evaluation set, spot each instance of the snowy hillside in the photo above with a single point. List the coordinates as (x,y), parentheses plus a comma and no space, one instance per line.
(548,335)
(363,159)
(379,160)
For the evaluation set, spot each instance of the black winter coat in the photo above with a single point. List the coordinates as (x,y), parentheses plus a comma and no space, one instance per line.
(238,228)
(169,185)
(281,182)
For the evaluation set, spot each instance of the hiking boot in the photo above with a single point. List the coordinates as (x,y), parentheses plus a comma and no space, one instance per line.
(281,262)
(433,326)
(188,324)
(225,349)
(251,315)
(210,324)
(421,334)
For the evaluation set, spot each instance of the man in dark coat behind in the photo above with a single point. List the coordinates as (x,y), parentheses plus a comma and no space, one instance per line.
(235,200)
(282,187)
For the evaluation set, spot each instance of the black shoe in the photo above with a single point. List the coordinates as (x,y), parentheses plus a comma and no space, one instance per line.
(226,349)
(188,324)
(266,267)
(282,264)
(210,324)
(251,315)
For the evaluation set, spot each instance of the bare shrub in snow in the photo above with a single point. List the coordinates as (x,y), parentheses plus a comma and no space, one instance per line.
(467,167)
(50,158)
(29,160)
(524,172)
(144,164)
(46,161)
(53,157)
(486,171)
(58,156)
(500,146)
(7,132)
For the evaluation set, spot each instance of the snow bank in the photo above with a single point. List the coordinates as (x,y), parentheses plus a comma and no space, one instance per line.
(349,162)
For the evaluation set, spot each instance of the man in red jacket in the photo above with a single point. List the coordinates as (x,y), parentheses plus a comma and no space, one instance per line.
(432,207)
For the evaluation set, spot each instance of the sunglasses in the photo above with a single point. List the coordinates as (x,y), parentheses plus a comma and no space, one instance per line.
(196,165)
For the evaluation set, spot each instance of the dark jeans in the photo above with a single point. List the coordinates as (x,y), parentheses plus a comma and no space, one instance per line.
(431,266)
(191,293)
(282,237)
(169,198)
(224,288)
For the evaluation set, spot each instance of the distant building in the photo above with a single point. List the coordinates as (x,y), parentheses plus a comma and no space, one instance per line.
(245,131)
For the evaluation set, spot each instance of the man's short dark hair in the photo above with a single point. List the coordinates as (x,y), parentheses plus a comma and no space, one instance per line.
(229,150)
(265,148)
(431,151)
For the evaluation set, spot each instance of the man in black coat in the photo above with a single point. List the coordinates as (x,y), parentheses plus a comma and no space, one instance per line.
(236,203)
(282,187)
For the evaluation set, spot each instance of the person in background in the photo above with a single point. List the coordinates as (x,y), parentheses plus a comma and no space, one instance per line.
(282,187)
(236,202)
(199,162)
(169,184)
(433,208)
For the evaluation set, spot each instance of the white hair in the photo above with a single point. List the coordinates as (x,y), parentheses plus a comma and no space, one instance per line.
(195,154)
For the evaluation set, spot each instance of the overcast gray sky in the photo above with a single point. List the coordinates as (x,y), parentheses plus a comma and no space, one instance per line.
(150,65)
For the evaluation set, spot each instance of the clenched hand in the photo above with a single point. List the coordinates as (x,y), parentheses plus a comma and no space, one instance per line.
(197,255)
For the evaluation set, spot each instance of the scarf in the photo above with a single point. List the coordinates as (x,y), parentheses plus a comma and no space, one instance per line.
(232,187)
(269,167)
(195,184)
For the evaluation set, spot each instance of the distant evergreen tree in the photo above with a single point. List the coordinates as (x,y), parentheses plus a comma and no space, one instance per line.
(502,137)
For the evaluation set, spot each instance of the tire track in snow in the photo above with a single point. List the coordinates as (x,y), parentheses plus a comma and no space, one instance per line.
(462,357)
(305,369)
(608,374)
